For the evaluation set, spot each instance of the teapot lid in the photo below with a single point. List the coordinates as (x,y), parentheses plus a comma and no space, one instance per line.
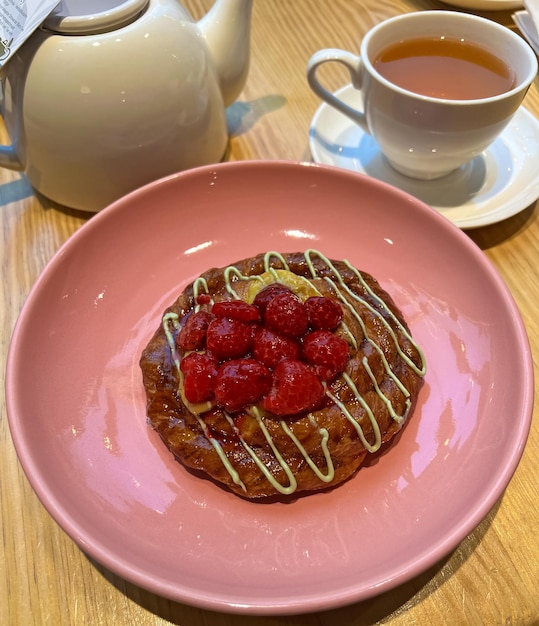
(85,17)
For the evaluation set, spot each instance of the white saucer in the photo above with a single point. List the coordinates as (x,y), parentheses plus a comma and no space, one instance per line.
(497,184)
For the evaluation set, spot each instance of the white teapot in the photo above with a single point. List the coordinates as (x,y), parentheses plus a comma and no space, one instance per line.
(108,95)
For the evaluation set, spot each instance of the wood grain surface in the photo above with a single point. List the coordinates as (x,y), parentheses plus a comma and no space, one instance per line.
(492,578)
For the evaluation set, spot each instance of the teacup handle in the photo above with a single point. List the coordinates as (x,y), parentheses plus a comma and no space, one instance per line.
(353,64)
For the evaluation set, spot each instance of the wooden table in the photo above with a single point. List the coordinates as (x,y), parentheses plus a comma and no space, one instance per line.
(491,578)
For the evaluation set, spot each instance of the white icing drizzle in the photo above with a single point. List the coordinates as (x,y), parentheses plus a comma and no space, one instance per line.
(268,268)
(171,319)
(292,480)
(168,320)
(231,273)
(328,477)
(311,252)
(398,418)
(373,343)
(378,439)
(228,282)
(286,490)
(219,449)
(267,260)
(420,371)
(199,283)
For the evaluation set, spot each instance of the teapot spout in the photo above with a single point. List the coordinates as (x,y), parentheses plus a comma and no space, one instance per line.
(227,28)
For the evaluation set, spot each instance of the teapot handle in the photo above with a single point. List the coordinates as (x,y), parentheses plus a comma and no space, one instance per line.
(8,153)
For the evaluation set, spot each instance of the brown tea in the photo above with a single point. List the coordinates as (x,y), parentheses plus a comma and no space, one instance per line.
(445,68)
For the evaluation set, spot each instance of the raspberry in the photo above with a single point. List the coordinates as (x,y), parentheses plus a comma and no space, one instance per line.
(192,336)
(323,372)
(229,339)
(203,298)
(199,370)
(323,312)
(268,293)
(323,348)
(296,388)
(241,382)
(271,347)
(236,310)
(286,314)
(232,334)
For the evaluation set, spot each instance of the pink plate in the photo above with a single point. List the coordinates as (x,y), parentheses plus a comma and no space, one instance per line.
(77,409)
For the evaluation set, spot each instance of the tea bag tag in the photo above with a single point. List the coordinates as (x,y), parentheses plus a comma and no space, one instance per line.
(18,20)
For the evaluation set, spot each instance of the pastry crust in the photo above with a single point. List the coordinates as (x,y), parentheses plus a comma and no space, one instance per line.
(257,454)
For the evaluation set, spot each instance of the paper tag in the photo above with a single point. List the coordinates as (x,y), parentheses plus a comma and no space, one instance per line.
(18,20)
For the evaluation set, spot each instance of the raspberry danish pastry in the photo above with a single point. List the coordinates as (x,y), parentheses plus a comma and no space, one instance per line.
(279,373)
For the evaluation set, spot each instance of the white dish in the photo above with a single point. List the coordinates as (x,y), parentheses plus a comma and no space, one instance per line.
(497,184)
(486,5)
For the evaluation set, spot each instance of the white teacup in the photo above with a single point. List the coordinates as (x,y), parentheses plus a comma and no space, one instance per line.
(423,136)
